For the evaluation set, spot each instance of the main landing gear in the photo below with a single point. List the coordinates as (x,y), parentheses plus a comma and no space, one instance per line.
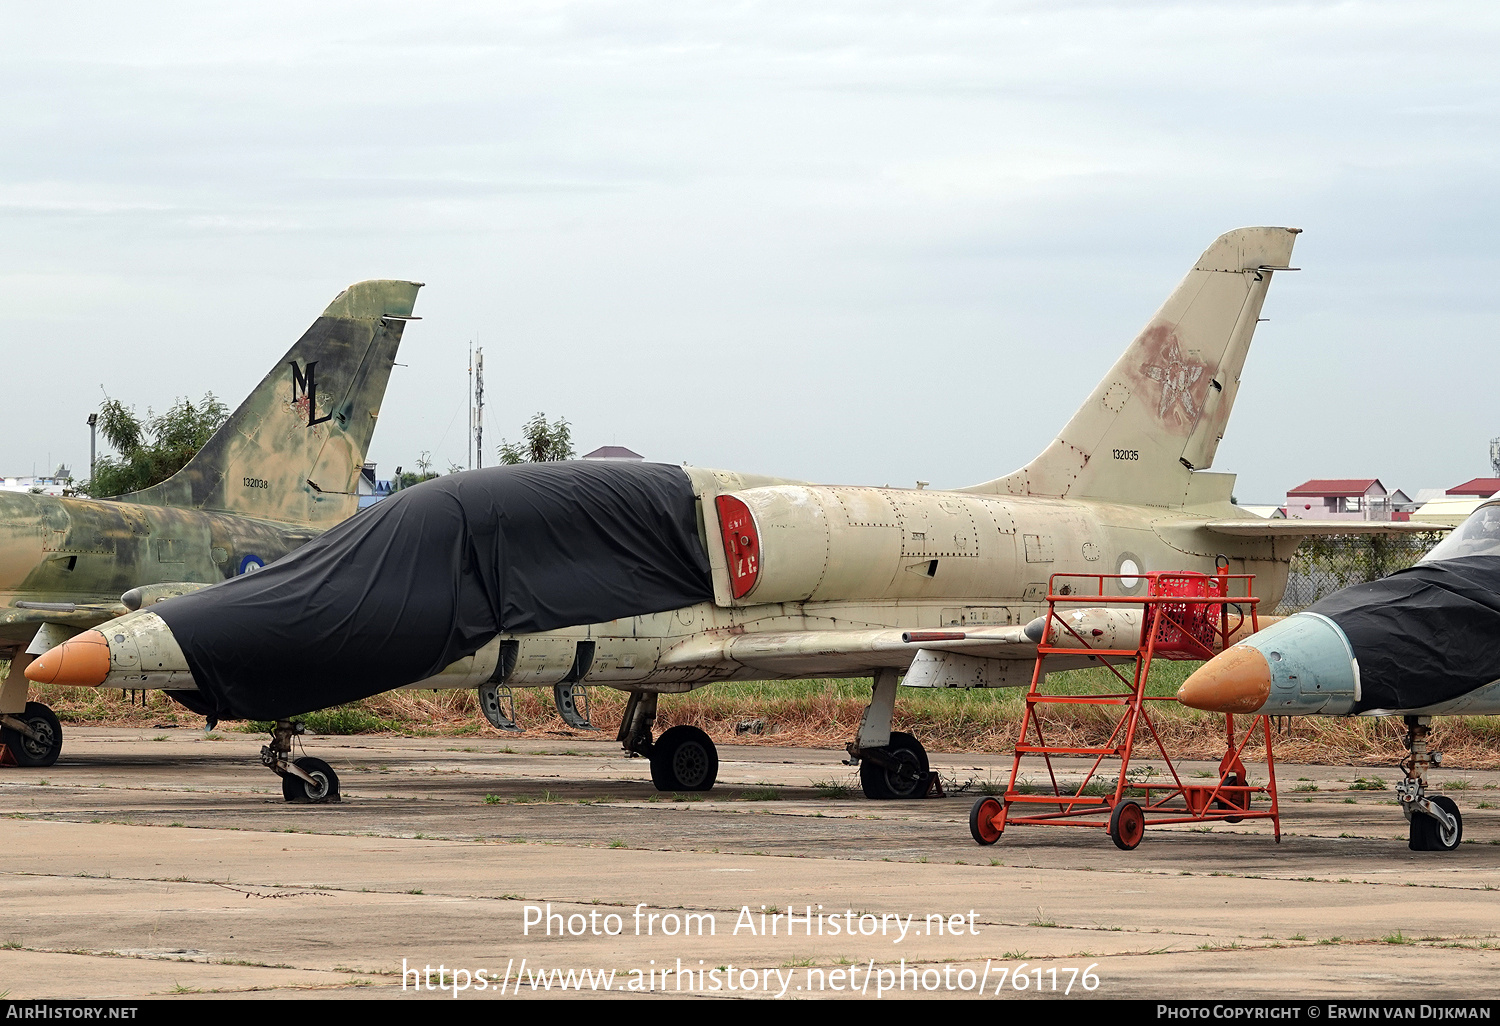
(306,781)
(682,759)
(33,737)
(28,730)
(1436,824)
(892,764)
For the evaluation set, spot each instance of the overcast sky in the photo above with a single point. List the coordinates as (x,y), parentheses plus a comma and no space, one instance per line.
(851,242)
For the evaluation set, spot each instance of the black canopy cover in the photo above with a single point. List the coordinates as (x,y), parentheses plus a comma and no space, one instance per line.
(428,576)
(1423,635)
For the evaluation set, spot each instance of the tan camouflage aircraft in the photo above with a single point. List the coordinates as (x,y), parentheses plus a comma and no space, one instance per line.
(283,468)
(939,586)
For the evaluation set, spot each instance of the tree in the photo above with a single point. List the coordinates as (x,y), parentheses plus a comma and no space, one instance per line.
(153,448)
(544,442)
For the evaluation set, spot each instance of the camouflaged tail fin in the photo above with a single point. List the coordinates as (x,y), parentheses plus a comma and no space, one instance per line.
(293,450)
(1160,412)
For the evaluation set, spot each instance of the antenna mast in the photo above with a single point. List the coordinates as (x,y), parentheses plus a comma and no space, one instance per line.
(479,406)
(471,406)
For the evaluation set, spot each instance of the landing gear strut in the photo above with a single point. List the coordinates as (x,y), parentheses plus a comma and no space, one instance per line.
(306,781)
(1436,824)
(892,764)
(683,759)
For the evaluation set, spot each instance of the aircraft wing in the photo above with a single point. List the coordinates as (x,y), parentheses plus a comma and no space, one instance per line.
(19,624)
(820,652)
(1293,528)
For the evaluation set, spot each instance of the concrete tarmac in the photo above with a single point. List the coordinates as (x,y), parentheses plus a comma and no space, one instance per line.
(152,863)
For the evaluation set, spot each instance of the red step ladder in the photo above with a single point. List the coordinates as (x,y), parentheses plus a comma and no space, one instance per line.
(1183,615)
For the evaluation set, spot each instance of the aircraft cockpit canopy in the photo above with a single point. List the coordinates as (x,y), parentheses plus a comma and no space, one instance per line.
(1477,536)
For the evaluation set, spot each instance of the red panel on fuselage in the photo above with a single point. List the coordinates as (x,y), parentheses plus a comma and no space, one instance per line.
(741,544)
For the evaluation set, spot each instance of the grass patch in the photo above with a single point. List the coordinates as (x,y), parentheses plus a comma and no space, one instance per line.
(355,718)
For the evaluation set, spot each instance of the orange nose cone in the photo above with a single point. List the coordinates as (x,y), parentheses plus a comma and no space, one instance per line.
(83,660)
(1237,680)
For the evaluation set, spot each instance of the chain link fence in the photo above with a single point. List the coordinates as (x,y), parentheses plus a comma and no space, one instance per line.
(1326,564)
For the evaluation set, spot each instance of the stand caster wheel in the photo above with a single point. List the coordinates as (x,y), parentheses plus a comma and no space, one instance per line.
(1127,825)
(982,820)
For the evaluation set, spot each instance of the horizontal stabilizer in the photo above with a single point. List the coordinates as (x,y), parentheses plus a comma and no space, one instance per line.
(1293,528)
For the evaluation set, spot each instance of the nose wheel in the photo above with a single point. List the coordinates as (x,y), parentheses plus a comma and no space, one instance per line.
(305,781)
(1429,833)
(322,787)
(1435,822)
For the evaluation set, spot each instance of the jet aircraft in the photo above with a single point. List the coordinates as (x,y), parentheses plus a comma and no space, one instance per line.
(1417,644)
(283,468)
(657,579)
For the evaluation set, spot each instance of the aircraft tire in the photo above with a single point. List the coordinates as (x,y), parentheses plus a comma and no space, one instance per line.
(907,780)
(295,789)
(1427,833)
(684,759)
(29,751)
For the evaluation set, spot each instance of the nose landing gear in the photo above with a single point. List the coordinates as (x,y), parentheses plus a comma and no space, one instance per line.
(1436,823)
(306,781)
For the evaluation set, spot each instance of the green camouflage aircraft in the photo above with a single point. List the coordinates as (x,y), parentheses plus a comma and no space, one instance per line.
(282,469)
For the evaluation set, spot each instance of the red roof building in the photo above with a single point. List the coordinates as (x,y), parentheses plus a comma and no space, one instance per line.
(1483,487)
(1342,498)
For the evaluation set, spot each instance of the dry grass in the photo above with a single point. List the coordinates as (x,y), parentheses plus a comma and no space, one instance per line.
(826,713)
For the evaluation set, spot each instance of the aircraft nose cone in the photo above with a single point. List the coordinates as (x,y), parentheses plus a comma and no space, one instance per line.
(1237,680)
(82,660)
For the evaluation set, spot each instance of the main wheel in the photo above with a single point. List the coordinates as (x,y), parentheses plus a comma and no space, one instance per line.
(295,789)
(1127,825)
(982,820)
(684,759)
(1428,834)
(41,750)
(906,777)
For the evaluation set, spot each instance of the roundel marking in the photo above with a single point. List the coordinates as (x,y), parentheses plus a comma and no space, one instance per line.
(250,563)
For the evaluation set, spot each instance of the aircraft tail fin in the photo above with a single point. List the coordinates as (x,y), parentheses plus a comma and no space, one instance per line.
(1160,412)
(293,450)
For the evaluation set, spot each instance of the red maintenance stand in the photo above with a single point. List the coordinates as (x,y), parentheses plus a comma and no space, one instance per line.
(1183,615)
